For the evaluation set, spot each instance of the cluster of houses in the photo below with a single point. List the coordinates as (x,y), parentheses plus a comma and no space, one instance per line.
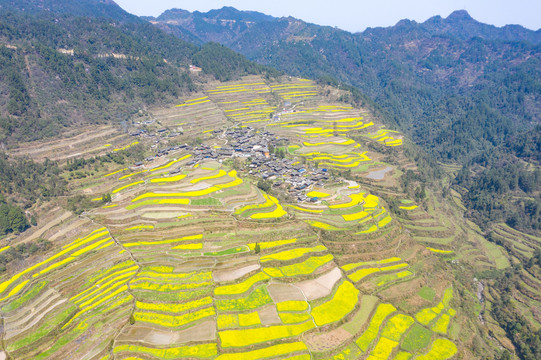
(255,146)
(289,173)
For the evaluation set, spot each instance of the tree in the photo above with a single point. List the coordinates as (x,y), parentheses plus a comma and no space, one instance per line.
(264,185)
(257,248)
(106,198)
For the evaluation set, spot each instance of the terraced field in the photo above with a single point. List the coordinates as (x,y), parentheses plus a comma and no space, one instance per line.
(204,264)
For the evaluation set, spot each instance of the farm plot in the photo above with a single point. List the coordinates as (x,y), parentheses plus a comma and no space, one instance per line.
(67,300)
(306,267)
(360,274)
(295,92)
(387,137)
(360,212)
(256,211)
(343,302)
(438,317)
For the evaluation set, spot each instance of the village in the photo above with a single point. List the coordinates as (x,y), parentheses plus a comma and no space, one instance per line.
(256,147)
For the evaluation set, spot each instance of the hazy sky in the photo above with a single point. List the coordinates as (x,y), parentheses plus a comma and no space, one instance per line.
(356,15)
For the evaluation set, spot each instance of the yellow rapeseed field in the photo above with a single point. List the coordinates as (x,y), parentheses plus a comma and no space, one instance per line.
(342,303)
(241,287)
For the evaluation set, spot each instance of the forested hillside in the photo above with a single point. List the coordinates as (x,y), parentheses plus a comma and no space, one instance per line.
(60,68)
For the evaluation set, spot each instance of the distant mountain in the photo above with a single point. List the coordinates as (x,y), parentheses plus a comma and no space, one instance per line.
(90,8)
(222,26)
(455,85)
(90,61)
(461,25)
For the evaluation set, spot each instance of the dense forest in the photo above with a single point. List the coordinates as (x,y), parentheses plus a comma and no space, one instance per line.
(505,184)
(26,181)
(12,218)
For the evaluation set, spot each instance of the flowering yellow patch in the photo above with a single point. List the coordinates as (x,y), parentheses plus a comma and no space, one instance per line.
(294,318)
(95,235)
(440,251)
(397,326)
(292,254)
(168,179)
(247,337)
(425,316)
(241,287)
(272,244)
(442,324)
(266,353)
(267,203)
(249,319)
(362,273)
(140,227)
(314,211)
(144,284)
(371,332)
(442,349)
(201,351)
(383,349)
(409,207)
(391,277)
(385,221)
(277,213)
(355,216)
(151,195)
(127,146)
(105,296)
(356,199)
(127,186)
(174,308)
(159,275)
(292,306)
(168,165)
(322,225)
(227,321)
(371,201)
(345,143)
(304,268)
(220,174)
(257,298)
(197,246)
(173,321)
(372,229)
(317,194)
(132,174)
(342,303)
(352,266)
(115,172)
(117,276)
(394,267)
(164,242)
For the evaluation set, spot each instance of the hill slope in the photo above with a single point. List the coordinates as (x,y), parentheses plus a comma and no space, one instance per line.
(77,65)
